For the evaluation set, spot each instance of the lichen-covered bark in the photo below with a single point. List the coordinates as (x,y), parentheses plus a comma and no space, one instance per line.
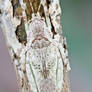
(37,47)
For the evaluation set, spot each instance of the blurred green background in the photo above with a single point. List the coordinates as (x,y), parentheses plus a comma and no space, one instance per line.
(76,21)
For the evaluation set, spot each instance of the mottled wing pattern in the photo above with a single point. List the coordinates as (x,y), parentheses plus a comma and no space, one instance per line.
(36,45)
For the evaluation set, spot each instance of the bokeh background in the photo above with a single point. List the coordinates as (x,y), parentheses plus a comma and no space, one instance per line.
(76,21)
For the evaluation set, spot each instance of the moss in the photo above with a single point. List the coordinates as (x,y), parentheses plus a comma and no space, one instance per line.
(21,33)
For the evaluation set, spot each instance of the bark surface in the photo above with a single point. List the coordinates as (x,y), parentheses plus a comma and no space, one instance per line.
(37,47)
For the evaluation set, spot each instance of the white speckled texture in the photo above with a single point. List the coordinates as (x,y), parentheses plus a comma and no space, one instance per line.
(41,62)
